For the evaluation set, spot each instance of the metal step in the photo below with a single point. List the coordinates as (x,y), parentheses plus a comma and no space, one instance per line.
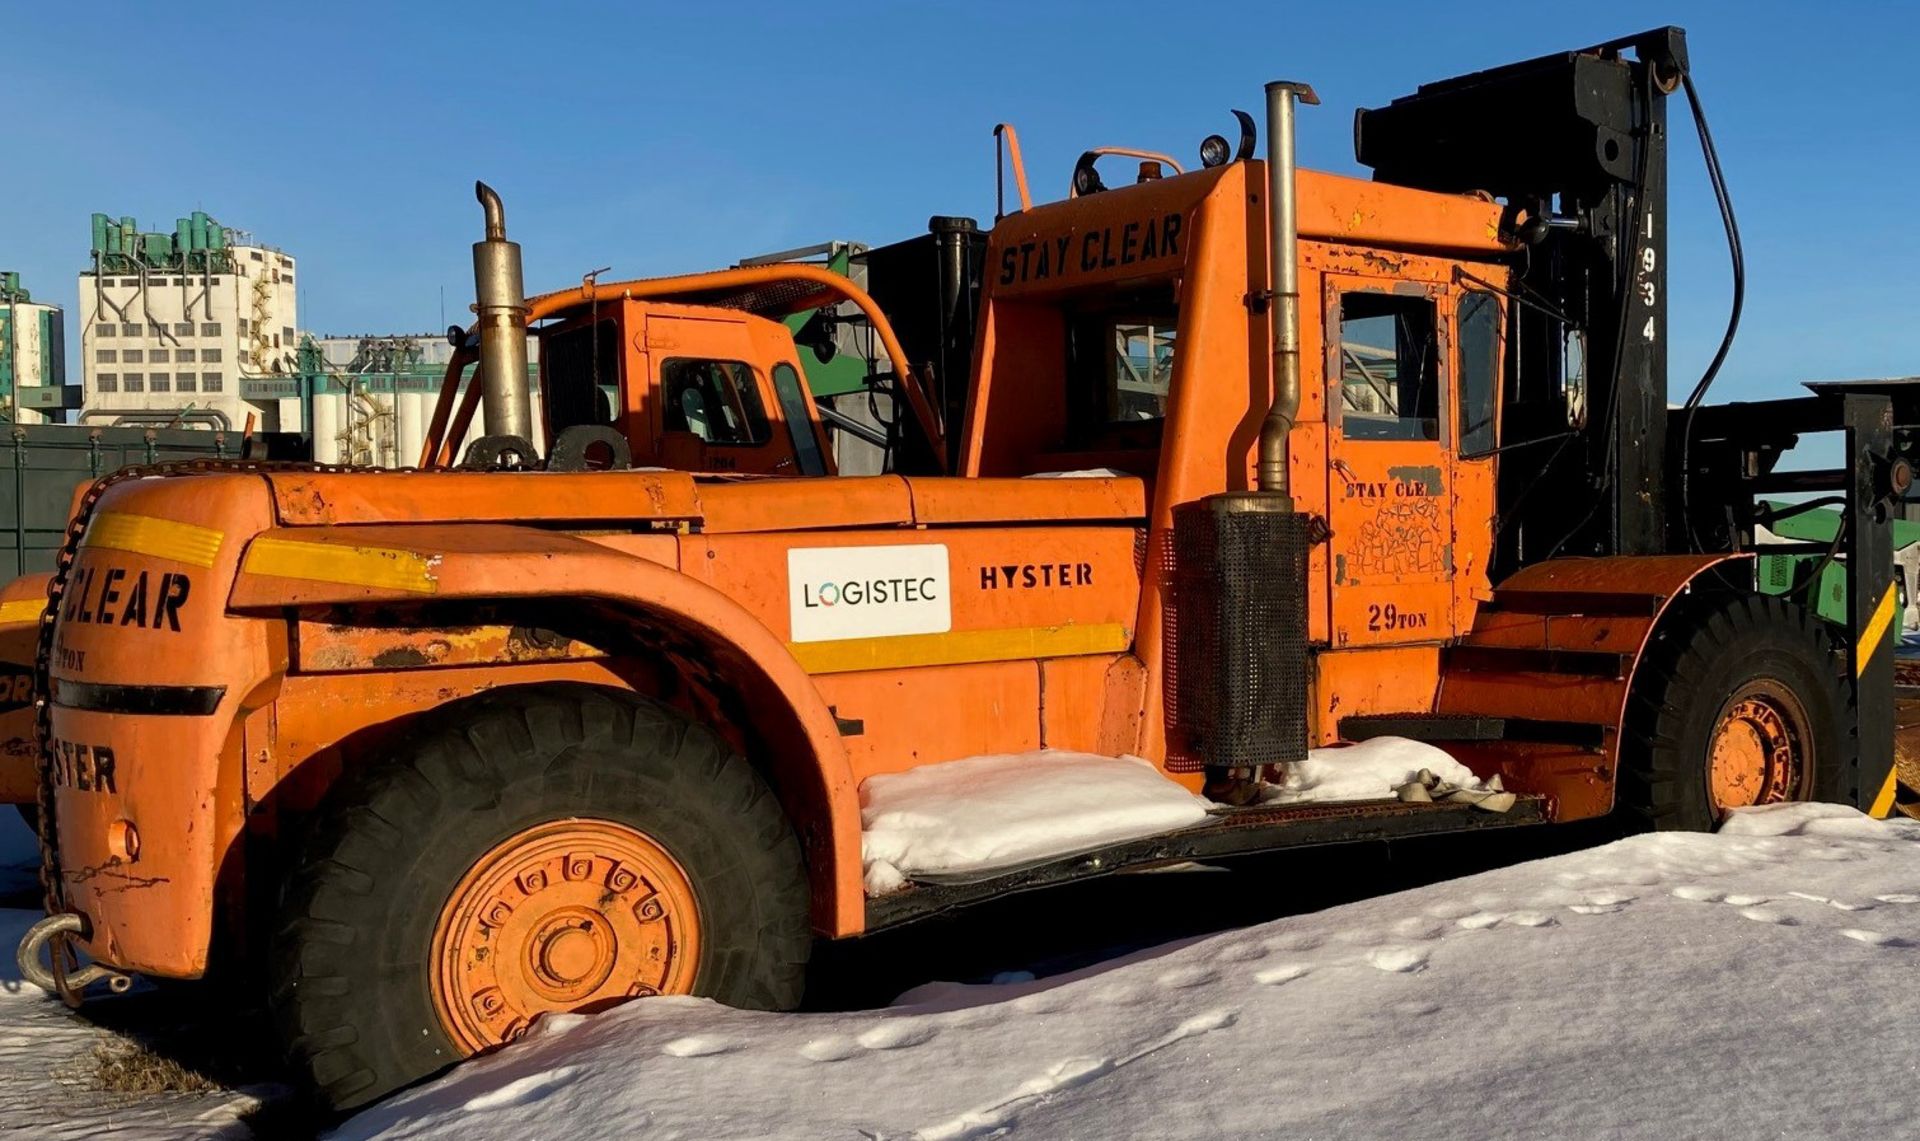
(1423,727)
(1446,728)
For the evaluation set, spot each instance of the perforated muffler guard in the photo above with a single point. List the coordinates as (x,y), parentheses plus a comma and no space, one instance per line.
(1237,694)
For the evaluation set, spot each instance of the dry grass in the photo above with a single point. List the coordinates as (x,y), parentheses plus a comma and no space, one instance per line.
(1906,731)
(121,1065)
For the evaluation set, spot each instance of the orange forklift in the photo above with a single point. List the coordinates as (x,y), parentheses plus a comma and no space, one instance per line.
(449,750)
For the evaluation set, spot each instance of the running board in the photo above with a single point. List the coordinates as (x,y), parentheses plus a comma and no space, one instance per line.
(1452,728)
(1231,832)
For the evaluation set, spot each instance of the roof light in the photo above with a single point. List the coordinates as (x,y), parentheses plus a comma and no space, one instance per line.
(1086,180)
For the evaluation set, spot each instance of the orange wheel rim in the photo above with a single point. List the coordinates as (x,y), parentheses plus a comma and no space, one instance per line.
(1756,755)
(568,916)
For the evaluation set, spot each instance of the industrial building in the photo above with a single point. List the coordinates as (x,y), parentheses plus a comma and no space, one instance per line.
(33,364)
(369,397)
(176,327)
(198,327)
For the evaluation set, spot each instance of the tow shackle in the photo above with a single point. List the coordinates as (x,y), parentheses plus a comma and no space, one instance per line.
(54,936)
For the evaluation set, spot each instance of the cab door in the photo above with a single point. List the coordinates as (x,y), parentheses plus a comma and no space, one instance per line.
(1479,337)
(717,405)
(1389,469)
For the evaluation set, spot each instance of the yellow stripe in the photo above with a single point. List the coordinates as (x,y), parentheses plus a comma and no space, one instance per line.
(386,567)
(1876,630)
(1883,804)
(21,610)
(146,535)
(958,646)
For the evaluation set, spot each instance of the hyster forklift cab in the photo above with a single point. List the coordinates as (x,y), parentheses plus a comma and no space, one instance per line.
(710,372)
(690,373)
(675,382)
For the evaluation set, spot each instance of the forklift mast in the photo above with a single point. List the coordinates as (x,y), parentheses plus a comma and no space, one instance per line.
(1575,145)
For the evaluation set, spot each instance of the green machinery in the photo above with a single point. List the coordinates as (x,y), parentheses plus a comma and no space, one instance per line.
(1796,571)
(196,243)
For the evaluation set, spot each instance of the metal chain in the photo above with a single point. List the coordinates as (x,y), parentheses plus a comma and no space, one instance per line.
(50,878)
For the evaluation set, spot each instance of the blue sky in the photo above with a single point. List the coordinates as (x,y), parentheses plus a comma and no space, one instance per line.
(655,137)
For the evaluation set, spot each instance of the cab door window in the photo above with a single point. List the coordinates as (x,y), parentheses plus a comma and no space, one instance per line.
(793,409)
(1479,371)
(715,400)
(1139,369)
(1389,367)
(1120,361)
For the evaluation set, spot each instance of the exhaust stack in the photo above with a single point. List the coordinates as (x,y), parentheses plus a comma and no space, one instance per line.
(506,403)
(1238,706)
(1283,258)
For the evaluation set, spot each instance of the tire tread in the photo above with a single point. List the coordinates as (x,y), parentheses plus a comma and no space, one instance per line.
(354,868)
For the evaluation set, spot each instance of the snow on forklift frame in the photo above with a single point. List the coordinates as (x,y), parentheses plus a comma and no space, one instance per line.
(453,749)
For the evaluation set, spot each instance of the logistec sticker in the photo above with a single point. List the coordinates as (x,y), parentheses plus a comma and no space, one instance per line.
(868,592)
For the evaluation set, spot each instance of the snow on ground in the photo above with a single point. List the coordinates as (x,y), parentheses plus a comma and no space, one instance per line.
(994,812)
(47,1052)
(1366,770)
(1759,982)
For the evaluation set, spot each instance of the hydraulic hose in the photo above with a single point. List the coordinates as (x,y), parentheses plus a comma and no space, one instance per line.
(1737,257)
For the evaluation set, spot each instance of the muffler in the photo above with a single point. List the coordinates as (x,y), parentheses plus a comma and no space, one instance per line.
(506,398)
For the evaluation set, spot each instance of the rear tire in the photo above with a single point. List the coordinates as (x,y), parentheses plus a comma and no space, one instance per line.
(1740,699)
(486,861)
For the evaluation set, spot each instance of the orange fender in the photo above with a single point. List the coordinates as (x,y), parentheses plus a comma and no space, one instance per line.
(1560,643)
(334,566)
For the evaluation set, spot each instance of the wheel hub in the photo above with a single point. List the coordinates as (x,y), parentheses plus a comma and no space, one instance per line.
(566,916)
(1754,757)
(571,953)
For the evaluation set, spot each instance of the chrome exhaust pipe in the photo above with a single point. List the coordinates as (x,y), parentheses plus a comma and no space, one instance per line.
(506,403)
(1283,259)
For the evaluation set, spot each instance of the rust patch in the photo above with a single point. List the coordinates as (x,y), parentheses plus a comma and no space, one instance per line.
(416,641)
(1426,475)
(400,658)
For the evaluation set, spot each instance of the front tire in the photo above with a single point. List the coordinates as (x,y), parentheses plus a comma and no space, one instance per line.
(533,850)
(1740,700)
